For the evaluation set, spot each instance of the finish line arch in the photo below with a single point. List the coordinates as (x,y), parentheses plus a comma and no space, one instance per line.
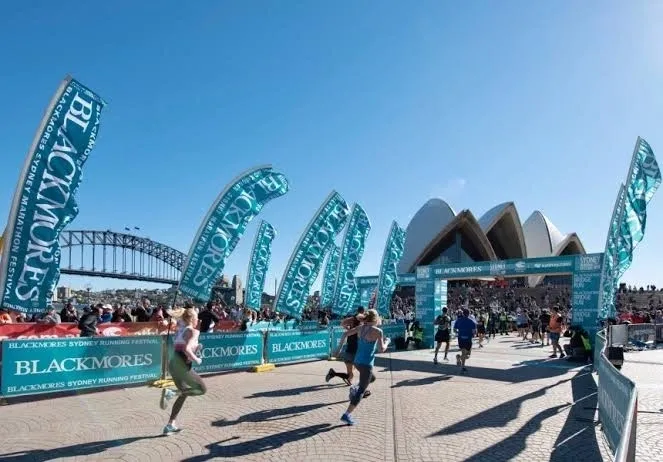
(585,271)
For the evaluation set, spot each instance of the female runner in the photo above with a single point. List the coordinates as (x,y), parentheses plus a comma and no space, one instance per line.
(481,328)
(188,383)
(369,336)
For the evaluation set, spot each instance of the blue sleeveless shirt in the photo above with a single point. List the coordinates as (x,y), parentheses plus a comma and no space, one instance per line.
(365,355)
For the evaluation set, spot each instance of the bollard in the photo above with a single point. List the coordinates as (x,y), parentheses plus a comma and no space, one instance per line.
(264,366)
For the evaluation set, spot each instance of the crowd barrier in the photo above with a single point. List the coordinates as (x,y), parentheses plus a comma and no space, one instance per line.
(638,335)
(618,404)
(31,366)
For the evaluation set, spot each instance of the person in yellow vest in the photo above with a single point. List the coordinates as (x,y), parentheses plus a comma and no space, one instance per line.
(504,321)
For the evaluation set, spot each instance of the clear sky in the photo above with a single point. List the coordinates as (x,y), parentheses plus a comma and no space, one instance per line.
(390,103)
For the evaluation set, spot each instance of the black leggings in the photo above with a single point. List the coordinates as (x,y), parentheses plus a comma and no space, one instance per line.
(345,376)
(186,380)
(365,374)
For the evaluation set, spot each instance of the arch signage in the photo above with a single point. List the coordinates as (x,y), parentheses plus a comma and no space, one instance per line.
(585,270)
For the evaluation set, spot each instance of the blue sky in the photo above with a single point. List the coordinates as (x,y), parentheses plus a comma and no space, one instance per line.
(390,104)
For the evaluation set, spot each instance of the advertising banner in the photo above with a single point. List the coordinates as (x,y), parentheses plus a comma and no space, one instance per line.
(585,292)
(352,250)
(584,269)
(258,265)
(388,278)
(614,397)
(642,181)
(366,286)
(329,277)
(298,345)
(393,331)
(112,329)
(44,201)
(614,254)
(224,225)
(307,257)
(529,266)
(53,365)
(230,351)
(428,313)
(628,222)
(407,280)
(336,334)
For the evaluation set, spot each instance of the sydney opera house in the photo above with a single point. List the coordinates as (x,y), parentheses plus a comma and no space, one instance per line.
(437,234)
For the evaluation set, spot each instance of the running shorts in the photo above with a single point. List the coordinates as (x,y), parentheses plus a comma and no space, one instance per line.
(442,336)
(349,357)
(465,344)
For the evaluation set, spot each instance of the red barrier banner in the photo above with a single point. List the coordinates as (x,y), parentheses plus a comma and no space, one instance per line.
(114,329)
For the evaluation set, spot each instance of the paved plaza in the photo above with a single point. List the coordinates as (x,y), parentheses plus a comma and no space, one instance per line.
(512,405)
(645,368)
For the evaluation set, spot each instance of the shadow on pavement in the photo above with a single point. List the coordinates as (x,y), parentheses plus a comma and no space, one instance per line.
(509,448)
(496,417)
(527,346)
(575,441)
(513,375)
(423,381)
(577,438)
(76,450)
(270,415)
(266,443)
(292,391)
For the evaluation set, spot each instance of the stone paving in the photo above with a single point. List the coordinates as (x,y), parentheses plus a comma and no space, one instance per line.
(511,405)
(645,368)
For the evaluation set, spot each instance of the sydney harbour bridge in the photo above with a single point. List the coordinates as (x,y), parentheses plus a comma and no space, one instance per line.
(120,256)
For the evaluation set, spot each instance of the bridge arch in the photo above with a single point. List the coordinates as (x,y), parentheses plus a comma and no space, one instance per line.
(119,256)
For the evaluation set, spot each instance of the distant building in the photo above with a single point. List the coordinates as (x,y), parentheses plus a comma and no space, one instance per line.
(232,293)
(238,289)
(438,235)
(63,293)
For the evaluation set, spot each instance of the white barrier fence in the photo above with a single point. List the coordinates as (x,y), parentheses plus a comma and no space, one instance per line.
(636,335)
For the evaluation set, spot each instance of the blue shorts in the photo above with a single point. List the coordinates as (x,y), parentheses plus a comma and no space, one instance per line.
(554,336)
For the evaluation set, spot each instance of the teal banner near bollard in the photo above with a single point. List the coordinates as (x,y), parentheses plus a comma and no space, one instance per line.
(309,325)
(298,345)
(230,351)
(54,365)
(393,331)
(336,334)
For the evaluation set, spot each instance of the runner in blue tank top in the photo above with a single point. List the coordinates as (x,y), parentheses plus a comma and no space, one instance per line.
(369,338)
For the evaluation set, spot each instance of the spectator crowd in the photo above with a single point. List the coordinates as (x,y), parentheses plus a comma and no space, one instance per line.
(510,297)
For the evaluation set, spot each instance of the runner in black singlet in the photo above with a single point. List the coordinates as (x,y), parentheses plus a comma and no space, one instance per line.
(443,334)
